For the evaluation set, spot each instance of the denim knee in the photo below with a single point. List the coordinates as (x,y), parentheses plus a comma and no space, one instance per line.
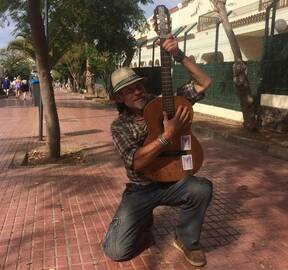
(118,254)
(199,187)
(110,243)
(117,244)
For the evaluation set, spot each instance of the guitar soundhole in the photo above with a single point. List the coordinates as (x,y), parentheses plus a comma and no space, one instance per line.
(170,116)
(161,126)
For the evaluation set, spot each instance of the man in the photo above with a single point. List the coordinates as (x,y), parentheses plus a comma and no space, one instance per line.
(129,232)
(6,85)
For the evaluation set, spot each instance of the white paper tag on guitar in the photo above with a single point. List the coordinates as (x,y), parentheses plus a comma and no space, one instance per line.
(187,162)
(186,142)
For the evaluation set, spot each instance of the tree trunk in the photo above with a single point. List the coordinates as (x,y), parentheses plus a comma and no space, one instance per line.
(240,74)
(47,93)
(88,75)
(88,78)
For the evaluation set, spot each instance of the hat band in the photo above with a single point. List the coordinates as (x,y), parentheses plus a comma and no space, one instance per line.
(128,79)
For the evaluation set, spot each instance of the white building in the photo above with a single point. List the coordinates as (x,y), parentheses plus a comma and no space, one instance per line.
(247,18)
(195,22)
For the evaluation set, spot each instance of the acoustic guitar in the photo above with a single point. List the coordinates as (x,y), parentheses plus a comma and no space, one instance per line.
(184,155)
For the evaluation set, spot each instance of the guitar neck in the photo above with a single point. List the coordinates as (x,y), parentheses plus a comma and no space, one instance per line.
(166,81)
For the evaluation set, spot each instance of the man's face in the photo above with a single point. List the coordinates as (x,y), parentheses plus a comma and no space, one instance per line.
(133,96)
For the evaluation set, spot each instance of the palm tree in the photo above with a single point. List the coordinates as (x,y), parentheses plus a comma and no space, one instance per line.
(24,45)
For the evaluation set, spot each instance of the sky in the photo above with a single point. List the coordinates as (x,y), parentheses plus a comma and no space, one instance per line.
(150,8)
(5,33)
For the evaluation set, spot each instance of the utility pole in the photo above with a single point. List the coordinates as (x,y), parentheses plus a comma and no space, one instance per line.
(40,101)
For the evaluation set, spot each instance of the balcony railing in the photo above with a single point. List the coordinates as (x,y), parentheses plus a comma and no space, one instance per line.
(263,4)
(207,21)
(249,20)
(210,19)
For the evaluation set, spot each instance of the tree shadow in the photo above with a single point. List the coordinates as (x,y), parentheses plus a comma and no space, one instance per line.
(244,190)
(16,103)
(84,105)
(78,202)
(82,132)
(87,195)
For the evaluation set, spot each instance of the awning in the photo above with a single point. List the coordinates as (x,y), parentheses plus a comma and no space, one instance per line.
(190,26)
(152,39)
(178,30)
(140,42)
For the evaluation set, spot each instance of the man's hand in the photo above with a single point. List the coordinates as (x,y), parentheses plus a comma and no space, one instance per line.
(181,120)
(170,45)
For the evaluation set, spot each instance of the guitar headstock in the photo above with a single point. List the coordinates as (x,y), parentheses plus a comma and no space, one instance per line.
(162,21)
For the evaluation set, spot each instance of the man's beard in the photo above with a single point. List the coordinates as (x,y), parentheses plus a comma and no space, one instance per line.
(140,104)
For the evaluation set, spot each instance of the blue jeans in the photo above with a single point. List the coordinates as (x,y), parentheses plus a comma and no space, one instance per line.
(127,233)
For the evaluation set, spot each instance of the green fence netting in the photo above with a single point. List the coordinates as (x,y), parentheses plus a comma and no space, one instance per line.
(222,91)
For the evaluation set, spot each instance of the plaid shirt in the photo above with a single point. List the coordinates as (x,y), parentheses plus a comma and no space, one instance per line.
(128,134)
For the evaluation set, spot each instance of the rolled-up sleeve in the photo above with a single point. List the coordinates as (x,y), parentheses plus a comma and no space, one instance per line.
(189,92)
(125,144)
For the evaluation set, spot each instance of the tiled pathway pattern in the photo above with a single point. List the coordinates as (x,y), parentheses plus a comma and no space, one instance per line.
(55,216)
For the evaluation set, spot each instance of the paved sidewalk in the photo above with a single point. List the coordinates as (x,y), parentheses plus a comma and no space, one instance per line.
(55,216)
(265,141)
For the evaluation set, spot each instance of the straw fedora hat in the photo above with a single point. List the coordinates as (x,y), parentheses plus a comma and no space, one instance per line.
(123,77)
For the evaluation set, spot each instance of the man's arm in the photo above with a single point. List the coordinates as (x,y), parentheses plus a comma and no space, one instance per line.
(146,154)
(201,80)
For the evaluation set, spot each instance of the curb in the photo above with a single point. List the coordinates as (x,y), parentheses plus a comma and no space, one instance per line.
(274,150)
(20,158)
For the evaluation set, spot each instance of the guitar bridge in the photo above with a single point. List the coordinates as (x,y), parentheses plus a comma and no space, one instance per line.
(173,153)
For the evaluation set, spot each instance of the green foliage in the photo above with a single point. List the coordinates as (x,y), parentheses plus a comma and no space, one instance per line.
(73,65)
(75,22)
(23,45)
(110,22)
(55,75)
(102,65)
(15,63)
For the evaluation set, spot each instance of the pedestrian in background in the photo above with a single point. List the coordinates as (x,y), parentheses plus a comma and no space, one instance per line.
(18,86)
(24,88)
(6,85)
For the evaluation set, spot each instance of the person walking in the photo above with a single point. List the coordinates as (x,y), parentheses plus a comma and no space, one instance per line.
(17,86)
(6,86)
(129,232)
(24,88)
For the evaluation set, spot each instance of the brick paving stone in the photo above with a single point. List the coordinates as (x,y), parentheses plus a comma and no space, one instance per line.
(88,266)
(56,215)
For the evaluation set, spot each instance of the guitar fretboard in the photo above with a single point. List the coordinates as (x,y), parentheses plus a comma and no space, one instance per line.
(166,81)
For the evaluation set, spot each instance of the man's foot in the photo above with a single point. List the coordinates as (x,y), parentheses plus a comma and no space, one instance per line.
(195,257)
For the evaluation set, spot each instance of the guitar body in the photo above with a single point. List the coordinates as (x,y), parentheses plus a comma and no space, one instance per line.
(184,156)
(168,166)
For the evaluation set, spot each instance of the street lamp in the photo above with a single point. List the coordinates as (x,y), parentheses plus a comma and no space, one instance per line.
(95,42)
(179,5)
(40,106)
(280,25)
(217,37)
(153,50)
(185,36)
